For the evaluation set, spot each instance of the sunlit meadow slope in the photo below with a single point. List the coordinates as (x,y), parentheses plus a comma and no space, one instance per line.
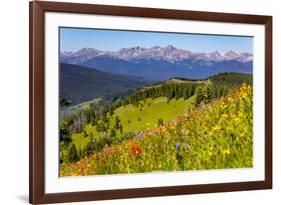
(212,136)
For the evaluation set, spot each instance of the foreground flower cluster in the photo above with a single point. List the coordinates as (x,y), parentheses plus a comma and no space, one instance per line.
(212,136)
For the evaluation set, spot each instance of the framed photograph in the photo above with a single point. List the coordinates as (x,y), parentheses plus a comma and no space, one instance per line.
(139,102)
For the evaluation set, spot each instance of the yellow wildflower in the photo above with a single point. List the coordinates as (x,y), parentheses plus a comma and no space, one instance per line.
(230,99)
(162,129)
(227,151)
(224,115)
(240,114)
(216,128)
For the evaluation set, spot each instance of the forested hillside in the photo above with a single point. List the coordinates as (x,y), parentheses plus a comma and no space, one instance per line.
(79,83)
(93,130)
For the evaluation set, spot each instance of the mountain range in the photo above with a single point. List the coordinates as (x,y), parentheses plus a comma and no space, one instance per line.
(160,63)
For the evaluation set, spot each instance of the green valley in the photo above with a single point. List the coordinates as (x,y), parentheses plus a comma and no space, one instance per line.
(136,119)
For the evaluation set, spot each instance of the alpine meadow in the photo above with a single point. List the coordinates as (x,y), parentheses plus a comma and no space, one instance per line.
(137,102)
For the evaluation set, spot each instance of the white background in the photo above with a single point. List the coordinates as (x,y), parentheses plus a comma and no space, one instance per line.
(14,101)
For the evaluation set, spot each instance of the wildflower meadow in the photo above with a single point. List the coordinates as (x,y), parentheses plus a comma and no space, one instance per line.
(213,133)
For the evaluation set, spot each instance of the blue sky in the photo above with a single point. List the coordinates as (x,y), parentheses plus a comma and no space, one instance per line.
(73,39)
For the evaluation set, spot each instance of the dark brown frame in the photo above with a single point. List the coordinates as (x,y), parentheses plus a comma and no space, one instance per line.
(36,106)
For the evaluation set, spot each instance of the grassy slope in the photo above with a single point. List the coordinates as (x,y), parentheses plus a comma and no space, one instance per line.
(151,111)
(82,106)
(79,107)
(217,135)
(149,114)
(85,105)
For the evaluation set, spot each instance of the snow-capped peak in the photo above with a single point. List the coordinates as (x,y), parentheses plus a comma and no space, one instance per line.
(168,53)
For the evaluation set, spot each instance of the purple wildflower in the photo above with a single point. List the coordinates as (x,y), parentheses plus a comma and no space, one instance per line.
(139,135)
(177,146)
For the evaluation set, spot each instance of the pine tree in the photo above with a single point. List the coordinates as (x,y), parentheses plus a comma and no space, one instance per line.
(101,127)
(117,122)
(111,112)
(104,118)
(112,133)
(121,128)
(73,154)
(85,134)
(160,122)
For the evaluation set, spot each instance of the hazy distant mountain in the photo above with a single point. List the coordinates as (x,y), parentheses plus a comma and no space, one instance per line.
(159,63)
(79,83)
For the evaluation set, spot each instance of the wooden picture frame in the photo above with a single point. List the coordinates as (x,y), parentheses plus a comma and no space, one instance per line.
(37,12)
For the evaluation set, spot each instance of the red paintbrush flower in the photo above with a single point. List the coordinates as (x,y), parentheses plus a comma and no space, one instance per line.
(135,150)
